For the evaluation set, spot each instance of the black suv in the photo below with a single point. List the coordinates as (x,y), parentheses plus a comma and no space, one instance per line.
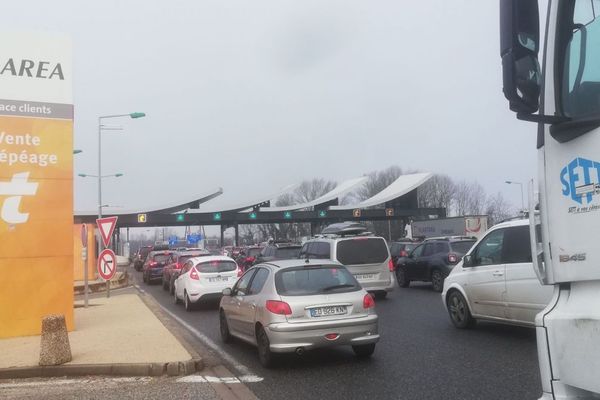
(278,251)
(432,260)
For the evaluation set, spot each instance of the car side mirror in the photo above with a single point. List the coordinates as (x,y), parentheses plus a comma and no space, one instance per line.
(468,261)
(519,47)
(227,292)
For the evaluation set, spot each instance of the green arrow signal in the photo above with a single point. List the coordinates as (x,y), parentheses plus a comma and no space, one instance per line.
(252,215)
(322,214)
(180,217)
(287,215)
(217,216)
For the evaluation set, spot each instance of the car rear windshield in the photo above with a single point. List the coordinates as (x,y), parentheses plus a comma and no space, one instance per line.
(462,247)
(362,250)
(303,281)
(144,252)
(408,247)
(216,266)
(185,257)
(287,253)
(161,257)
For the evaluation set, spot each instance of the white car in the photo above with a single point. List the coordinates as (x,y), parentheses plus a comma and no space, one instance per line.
(495,280)
(204,278)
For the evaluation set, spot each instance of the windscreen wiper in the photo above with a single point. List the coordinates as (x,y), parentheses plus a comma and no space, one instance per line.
(344,285)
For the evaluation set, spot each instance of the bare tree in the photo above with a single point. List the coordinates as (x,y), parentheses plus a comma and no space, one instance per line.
(469,198)
(378,180)
(437,192)
(310,190)
(498,209)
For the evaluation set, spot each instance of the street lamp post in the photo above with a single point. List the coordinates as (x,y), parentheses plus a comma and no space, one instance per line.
(131,115)
(520,184)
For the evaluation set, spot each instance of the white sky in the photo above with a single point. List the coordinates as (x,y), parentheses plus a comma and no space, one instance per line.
(255,95)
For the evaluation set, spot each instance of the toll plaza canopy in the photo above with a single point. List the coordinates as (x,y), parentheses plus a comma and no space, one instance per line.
(396,201)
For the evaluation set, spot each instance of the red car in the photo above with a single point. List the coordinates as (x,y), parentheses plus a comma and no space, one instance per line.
(247,257)
(173,267)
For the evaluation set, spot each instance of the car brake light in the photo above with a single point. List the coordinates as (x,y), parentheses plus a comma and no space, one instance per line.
(249,259)
(368,301)
(391,265)
(279,307)
(194,274)
(239,272)
(452,258)
(178,265)
(153,264)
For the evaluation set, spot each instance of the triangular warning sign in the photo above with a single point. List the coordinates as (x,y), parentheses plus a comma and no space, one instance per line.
(106,226)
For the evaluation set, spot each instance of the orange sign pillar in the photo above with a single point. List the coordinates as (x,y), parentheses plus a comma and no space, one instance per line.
(36,182)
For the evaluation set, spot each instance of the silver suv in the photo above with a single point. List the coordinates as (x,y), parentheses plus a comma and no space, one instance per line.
(366,256)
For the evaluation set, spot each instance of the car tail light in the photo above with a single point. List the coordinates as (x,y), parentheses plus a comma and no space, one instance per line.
(391,265)
(368,301)
(239,272)
(153,264)
(194,274)
(403,253)
(249,259)
(279,307)
(452,258)
(178,265)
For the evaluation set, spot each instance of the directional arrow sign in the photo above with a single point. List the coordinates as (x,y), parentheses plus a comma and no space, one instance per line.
(106,226)
(107,264)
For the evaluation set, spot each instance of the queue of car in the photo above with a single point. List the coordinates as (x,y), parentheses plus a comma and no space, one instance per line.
(285,297)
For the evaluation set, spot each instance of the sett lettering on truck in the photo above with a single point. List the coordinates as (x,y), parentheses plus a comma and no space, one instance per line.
(31,69)
(580,181)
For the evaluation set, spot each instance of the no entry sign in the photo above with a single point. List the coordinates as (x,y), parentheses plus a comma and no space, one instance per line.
(107,264)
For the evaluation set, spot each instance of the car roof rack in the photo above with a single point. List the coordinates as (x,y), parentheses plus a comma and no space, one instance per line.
(448,238)
(345,229)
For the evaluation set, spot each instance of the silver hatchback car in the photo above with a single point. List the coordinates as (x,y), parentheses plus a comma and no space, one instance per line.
(296,305)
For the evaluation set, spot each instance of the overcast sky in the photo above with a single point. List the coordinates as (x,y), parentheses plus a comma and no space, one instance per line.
(254,95)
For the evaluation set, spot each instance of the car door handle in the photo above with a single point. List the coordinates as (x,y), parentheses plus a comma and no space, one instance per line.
(498,273)
(253,305)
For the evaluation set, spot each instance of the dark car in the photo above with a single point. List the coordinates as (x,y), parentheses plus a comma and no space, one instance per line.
(432,261)
(140,257)
(247,256)
(175,263)
(278,251)
(401,248)
(153,266)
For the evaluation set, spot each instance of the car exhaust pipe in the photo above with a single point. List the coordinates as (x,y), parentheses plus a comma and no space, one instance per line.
(300,351)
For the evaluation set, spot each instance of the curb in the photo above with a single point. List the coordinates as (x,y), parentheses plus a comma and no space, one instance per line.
(176,368)
(95,287)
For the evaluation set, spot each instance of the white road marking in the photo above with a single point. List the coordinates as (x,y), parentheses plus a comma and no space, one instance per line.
(216,379)
(62,382)
(241,368)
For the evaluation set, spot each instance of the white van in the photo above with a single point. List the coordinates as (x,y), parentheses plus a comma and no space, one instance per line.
(495,280)
(366,256)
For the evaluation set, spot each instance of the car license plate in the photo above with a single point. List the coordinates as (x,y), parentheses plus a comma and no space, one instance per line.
(326,311)
(218,279)
(364,277)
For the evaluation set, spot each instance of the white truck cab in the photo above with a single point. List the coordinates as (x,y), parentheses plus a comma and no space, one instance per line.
(562,95)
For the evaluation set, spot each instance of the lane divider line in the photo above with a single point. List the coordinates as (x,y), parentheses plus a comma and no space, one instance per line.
(246,373)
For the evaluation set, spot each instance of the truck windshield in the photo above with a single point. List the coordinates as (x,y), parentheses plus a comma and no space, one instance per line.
(581,69)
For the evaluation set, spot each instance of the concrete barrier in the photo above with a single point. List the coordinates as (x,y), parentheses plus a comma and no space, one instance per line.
(55,348)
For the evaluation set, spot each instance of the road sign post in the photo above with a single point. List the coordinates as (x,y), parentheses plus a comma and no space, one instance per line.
(106,227)
(84,257)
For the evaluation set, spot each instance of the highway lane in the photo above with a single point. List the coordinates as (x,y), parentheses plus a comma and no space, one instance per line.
(420,356)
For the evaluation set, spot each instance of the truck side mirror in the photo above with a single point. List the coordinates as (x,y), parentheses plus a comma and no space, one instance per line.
(519,47)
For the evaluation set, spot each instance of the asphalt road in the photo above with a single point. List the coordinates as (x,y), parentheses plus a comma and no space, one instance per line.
(420,356)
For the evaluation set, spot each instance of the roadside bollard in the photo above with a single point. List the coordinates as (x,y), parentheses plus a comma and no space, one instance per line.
(55,348)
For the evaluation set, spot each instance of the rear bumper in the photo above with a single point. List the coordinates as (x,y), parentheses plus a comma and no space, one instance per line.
(155,274)
(200,297)
(286,337)
(380,286)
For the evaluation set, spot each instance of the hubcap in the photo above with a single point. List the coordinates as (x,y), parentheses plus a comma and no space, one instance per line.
(457,309)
